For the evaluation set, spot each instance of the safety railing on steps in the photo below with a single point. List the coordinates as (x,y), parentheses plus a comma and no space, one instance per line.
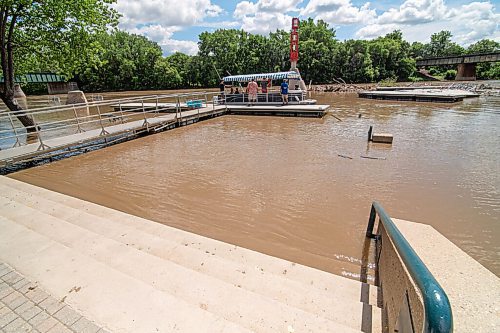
(436,316)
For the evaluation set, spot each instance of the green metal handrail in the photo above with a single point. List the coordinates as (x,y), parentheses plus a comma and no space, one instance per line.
(437,310)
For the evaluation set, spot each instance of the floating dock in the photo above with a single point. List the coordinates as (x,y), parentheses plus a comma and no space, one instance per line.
(295,110)
(419,95)
(74,132)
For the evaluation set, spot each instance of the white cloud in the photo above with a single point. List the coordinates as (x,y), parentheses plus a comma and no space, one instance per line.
(375,30)
(166,12)
(163,36)
(160,19)
(263,23)
(419,19)
(339,12)
(414,12)
(265,16)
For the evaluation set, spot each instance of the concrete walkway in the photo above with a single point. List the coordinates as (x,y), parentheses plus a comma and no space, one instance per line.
(135,275)
(25,307)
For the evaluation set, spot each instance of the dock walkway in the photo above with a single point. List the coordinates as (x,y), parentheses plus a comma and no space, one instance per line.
(128,274)
(110,121)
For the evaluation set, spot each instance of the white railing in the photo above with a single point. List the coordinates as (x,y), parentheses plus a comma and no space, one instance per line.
(61,120)
(272,97)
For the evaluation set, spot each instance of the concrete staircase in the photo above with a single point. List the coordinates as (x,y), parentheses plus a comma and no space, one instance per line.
(135,275)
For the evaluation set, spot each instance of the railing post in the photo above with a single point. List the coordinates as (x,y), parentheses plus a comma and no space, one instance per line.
(80,130)
(371,223)
(156,108)
(103,131)
(145,118)
(178,108)
(15,130)
(121,113)
(42,145)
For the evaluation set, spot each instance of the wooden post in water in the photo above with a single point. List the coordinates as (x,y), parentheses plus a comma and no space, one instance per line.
(370,133)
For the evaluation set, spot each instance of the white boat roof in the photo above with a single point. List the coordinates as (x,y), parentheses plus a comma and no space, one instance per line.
(272,76)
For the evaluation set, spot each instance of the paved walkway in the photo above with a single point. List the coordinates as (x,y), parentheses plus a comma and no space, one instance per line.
(24,307)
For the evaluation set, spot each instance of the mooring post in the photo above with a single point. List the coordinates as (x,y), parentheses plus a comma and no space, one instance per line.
(370,133)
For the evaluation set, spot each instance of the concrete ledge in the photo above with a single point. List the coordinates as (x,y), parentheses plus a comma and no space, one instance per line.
(473,290)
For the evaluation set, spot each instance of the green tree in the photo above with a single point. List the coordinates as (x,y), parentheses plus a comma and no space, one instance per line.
(317,44)
(58,31)
(126,61)
(441,45)
(180,61)
(390,57)
(354,61)
(487,70)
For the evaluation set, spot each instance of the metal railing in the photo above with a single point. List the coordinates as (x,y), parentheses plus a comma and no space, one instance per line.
(59,120)
(272,97)
(438,316)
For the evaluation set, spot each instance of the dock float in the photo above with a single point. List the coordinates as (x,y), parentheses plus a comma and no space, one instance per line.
(419,95)
(84,127)
(293,110)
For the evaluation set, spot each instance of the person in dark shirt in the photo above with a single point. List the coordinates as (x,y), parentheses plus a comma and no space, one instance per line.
(284,92)
(222,88)
(263,85)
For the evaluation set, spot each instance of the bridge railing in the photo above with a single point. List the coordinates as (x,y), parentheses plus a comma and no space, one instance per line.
(413,299)
(55,121)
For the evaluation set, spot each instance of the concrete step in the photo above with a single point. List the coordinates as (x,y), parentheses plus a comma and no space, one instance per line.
(277,287)
(114,300)
(221,298)
(163,241)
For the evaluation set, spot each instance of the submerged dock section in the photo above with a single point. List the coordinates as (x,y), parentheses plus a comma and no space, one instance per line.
(71,129)
(418,94)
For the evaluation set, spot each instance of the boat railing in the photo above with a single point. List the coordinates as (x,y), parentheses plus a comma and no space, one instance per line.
(62,120)
(413,299)
(271,97)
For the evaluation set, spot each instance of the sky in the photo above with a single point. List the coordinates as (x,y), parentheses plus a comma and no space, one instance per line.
(176,24)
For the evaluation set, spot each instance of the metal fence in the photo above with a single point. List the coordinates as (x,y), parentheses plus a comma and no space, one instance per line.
(62,120)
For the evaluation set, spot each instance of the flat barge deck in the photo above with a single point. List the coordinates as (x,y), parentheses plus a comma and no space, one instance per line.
(419,95)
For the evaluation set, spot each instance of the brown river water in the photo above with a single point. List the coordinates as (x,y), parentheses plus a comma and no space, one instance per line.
(278,185)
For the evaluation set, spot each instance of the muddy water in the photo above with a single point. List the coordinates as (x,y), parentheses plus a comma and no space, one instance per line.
(279,186)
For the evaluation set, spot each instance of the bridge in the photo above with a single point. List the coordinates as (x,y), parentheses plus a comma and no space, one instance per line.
(466,63)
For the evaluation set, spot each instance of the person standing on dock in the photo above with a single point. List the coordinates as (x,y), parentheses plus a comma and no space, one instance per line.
(263,85)
(252,89)
(222,88)
(284,92)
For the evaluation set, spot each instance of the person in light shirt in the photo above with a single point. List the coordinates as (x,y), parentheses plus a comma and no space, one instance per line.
(252,89)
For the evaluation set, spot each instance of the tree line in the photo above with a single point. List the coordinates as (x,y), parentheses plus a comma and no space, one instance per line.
(133,62)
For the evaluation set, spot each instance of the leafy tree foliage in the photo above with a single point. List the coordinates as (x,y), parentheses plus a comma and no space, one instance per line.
(123,61)
(58,33)
(487,70)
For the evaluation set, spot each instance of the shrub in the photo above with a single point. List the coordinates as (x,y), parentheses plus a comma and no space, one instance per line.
(450,74)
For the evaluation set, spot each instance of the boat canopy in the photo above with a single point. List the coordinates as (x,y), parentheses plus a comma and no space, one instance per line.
(272,76)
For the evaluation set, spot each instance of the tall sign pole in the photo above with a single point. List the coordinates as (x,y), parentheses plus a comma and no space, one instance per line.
(294,43)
